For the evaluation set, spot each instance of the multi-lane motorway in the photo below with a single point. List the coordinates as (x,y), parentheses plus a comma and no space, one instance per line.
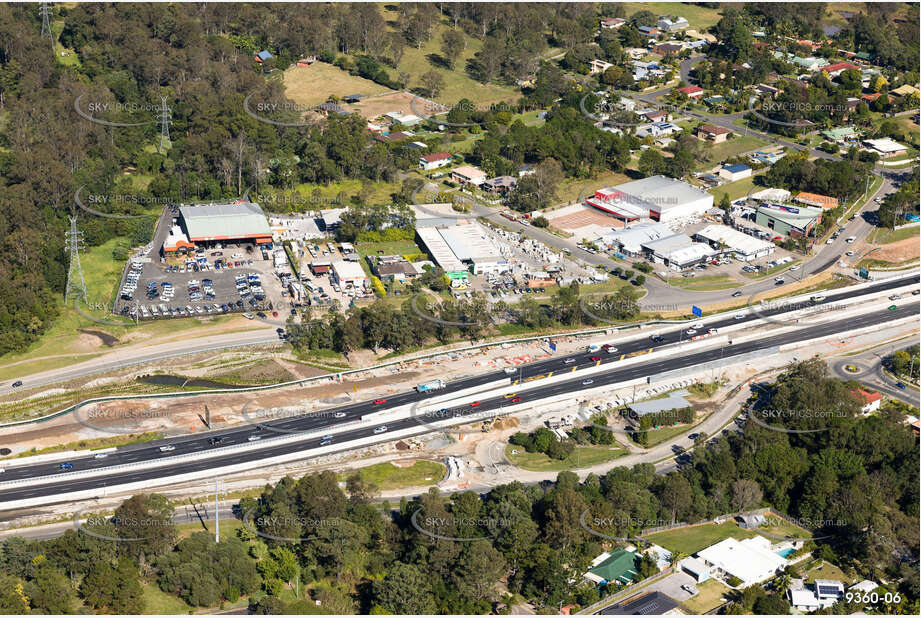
(354,412)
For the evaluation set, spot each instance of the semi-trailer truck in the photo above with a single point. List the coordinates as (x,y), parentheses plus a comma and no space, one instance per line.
(431,385)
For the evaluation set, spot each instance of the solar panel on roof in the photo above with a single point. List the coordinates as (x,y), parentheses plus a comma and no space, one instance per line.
(828,590)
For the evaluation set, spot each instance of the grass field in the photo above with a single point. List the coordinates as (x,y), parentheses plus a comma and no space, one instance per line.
(570,189)
(734,190)
(388,476)
(700,18)
(710,595)
(731,148)
(458,84)
(315,84)
(884,236)
(581,457)
(777,528)
(693,539)
(396,247)
(826,570)
(707,282)
(328,195)
(158,602)
(658,436)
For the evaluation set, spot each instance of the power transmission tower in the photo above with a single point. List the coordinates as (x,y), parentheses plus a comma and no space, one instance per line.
(45,10)
(166,118)
(76,286)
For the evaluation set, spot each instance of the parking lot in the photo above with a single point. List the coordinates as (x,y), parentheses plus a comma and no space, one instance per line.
(236,277)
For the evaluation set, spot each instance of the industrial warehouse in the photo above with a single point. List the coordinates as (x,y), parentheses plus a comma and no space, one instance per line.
(463,248)
(659,198)
(207,225)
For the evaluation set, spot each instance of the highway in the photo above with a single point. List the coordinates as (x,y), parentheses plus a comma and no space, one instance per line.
(353,412)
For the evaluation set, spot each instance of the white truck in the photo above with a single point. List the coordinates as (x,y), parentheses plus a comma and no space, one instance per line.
(431,385)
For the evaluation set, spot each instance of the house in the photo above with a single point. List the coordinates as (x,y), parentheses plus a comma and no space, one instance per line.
(834,70)
(617,567)
(598,66)
(353,98)
(869,401)
(818,201)
(407,120)
(658,116)
(306,62)
(396,136)
(821,594)
(905,91)
(751,560)
(663,49)
(392,268)
(435,160)
(769,158)
(713,133)
(672,24)
(765,90)
(737,171)
(263,56)
(692,92)
(468,175)
(885,147)
(840,135)
(417,145)
(657,129)
(331,108)
(526,170)
(499,185)
(865,587)
(811,63)
(527,81)
(611,23)
(648,30)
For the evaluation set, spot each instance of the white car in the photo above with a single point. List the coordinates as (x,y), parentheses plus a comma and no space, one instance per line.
(850,239)
(587,382)
(849,252)
(739,316)
(381,429)
(100,455)
(794,268)
(167,448)
(339,415)
(612,350)
(691,331)
(829,241)
(254,437)
(510,370)
(569,361)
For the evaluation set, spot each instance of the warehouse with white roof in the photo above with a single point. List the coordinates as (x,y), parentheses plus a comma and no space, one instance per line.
(678,251)
(743,247)
(666,199)
(470,244)
(630,240)
(349,274)
(436,246)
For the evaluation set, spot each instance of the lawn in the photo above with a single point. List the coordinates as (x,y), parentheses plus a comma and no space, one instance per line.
(734,190)
(658,436)
(710,595)
(707,282)
(692,539)
(826,570)
(731,148)
(569,190)
(389,476)
(315,84)
(884,236)
(395,247)
(581,457)
(339,194)
(700,18)
(777,528)
(158,602)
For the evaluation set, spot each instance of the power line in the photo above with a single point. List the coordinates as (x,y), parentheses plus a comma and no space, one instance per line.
(76,286)
(45,10)
(166,118)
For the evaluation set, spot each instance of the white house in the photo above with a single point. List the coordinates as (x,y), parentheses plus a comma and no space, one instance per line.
(738,171)
(823,593)
(434,160)
(751,560)
(672,24)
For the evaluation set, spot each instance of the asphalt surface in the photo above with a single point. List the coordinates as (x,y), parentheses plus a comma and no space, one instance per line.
(354,412)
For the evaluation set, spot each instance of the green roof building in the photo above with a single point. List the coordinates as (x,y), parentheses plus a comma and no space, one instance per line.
(839,134)
(241,221)
(619,567)
(793,221)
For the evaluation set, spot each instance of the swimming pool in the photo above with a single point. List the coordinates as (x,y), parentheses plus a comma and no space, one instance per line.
(783,553)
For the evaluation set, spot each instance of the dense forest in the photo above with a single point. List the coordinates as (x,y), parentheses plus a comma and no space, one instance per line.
(856,478)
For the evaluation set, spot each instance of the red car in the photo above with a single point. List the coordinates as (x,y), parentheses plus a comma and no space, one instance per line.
(274,314)
(474,404)
(596,358)
(378,402)
(515,399)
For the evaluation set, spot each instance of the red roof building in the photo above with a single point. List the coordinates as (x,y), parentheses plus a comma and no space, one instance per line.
(838,68)
(869,401)
(692,91)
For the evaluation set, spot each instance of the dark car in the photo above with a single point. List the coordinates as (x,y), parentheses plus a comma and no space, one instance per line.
(65,466)
(216,440)
(901,385)
(737,293)
(261,315)
(17,383)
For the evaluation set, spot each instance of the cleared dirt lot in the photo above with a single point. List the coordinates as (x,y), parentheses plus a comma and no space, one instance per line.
(404,102)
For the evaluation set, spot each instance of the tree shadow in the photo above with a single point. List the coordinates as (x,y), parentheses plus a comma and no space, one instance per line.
(438,60)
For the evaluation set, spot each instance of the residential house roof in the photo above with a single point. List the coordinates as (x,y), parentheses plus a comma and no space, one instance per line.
(436,156)
(264,55)
(814,199)
(839,66)
(865,396)
(620,566)
(713,129)
(736,168)
(689,90)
